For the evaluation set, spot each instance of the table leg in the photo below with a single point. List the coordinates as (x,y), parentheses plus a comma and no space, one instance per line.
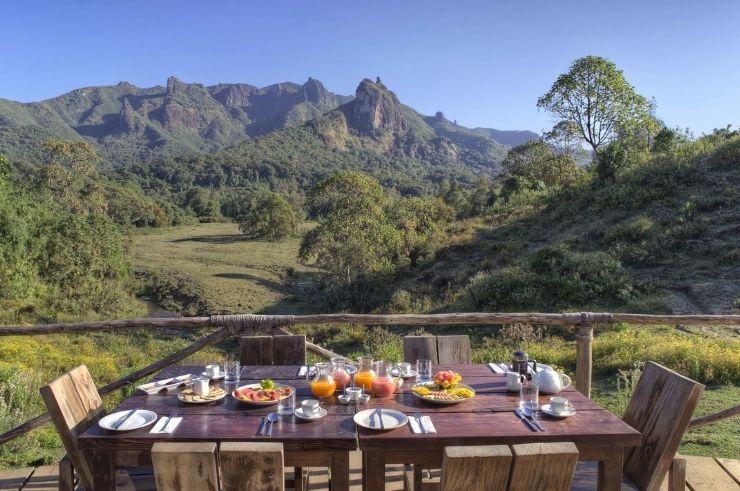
(373,471)
(340,471)
(104,472)
(611,469)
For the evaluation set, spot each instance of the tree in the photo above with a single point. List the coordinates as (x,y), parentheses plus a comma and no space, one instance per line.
(419,220)
(269,216)
(595,96)
(535,163)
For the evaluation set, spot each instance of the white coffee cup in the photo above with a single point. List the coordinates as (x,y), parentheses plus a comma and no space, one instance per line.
(310,407)
(213,371)
(404,368)
(558,404)
(201,386)
(513,381)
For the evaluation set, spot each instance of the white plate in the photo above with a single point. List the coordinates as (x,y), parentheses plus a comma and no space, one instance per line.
(391,419)
(258,387)
(138,419)
(569,411)
(166,384)
(396,372)
(298,412)
(439,401)
(220,377)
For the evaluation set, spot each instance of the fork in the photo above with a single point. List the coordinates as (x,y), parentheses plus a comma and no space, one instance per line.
(417,415)
(173,414)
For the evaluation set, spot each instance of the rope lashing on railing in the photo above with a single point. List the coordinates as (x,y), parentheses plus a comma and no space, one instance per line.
(237,324)
(584,322)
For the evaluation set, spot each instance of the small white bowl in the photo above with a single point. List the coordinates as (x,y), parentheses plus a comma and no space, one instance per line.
(363,398)
(344,399)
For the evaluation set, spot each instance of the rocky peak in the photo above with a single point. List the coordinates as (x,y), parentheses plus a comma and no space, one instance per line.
(375,108)
(128,120)
(440,116)
(234,95)
(174,85)
(315,92)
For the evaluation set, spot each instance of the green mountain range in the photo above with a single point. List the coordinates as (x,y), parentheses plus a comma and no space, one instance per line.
(132,124)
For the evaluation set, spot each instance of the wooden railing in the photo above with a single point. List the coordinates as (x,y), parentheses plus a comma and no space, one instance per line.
(235,325)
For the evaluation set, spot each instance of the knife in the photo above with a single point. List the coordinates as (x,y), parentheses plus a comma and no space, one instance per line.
(379,412)
(529,423)
(262,424)
(123,420)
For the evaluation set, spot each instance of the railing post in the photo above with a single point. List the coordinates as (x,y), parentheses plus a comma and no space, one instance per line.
(584,355)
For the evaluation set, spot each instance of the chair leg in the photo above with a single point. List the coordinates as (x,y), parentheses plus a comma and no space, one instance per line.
(66,474)
(677,475)
(298,478)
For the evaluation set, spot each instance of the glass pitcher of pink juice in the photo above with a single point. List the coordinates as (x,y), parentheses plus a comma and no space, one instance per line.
(339,372)
(383,385)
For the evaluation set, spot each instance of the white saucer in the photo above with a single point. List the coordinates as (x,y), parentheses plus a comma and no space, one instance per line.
(298,412)
(396,372)
(220,377)
(569,411)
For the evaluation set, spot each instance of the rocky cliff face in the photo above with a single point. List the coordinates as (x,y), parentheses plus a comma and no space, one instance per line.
(315,92)
(129,121)
(374,109)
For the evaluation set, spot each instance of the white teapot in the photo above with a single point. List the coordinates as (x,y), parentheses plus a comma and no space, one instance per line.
(551,382)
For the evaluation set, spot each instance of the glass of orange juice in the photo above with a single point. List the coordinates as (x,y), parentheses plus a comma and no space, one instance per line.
(323,384)
(365,373)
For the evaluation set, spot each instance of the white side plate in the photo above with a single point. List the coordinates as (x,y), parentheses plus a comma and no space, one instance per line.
(139,419)
(391,419)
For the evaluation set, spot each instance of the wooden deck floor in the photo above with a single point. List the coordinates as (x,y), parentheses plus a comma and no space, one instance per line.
(702,474)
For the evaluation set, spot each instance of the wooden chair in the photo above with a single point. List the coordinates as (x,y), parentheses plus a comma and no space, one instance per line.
(660,408)
(453,349)
(543,466)
(190,466)
(242,466)
(530,467)
(420,347)
(74,406)
(263,461)
(273,350)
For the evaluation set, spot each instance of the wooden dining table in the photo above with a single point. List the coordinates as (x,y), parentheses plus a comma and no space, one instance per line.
(486,419)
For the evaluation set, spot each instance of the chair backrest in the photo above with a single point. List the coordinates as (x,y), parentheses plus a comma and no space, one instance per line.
(273,350)
(660,408)
(251,466)
(454,349)
(543,466)
(483,468)
(185,466)
(74,406)
(420,347)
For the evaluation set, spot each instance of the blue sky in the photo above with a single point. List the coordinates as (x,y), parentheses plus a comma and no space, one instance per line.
(483,63)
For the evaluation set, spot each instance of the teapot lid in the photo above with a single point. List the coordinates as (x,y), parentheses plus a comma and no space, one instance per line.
(520,354)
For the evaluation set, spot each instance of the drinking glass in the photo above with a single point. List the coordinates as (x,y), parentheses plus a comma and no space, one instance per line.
(231,370)
(286,404)
(529,395)
(423,371)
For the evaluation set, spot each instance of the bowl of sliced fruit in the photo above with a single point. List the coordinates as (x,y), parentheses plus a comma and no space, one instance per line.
(445,388)
(266,393)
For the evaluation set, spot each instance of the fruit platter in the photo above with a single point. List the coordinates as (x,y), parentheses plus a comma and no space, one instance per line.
(265,393)
(445,388)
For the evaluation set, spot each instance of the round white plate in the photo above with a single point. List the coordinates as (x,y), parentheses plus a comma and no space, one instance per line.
(569,411)
(258,387)
(220,377)
(391,419)
(298,412)
(139,419)
(396,372)
(439,401)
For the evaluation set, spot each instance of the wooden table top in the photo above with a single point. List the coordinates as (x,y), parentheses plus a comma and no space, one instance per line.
(488,418)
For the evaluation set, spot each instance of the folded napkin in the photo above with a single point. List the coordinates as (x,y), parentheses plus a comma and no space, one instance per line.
(426,421)
(166,425)
(302,371)
(496,368)
(504,367)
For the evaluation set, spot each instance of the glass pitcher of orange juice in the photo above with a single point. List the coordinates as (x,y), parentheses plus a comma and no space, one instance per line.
(323,384)
(383,385)
(339,372)
(365,373)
